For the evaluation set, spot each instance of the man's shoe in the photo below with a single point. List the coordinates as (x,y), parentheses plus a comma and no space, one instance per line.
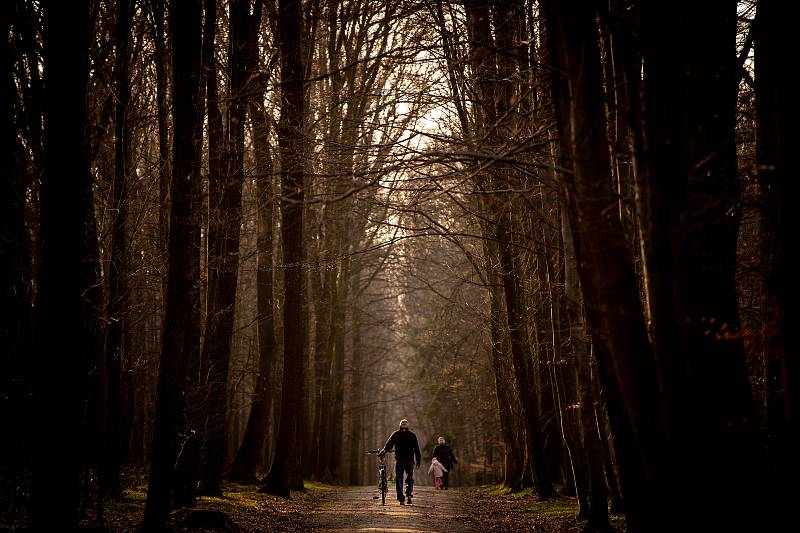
(402,502)
(409,500)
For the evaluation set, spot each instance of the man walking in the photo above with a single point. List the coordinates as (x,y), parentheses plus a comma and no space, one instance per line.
(406,453)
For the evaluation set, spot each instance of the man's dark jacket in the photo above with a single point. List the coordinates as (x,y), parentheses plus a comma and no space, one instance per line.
(444,455)
(405,445)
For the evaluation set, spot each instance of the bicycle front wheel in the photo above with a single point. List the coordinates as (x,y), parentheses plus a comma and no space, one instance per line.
(384,488)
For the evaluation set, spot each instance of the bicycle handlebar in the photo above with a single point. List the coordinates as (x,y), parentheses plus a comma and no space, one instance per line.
(369,452)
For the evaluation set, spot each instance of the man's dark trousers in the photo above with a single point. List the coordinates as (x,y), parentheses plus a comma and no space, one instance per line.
(407,468)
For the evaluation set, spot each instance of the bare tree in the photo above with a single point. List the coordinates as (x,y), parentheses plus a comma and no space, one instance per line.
(67,282)
(225,220)
(605,265)
(286,462)
(181,339)
(118,306)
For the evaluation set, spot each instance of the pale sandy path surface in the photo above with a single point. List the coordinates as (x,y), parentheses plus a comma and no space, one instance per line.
(353,509)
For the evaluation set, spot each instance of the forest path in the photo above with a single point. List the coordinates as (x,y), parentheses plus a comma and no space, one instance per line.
(353,509)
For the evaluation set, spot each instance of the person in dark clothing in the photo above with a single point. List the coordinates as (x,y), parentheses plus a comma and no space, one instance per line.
(406,453)
(444,455)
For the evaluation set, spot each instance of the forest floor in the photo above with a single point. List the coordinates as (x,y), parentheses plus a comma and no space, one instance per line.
(473,509)
(353,509)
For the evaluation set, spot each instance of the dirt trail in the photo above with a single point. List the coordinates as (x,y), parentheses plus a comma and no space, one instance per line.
(353,509)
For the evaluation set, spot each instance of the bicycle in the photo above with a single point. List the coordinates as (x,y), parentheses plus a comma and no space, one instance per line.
(383,485)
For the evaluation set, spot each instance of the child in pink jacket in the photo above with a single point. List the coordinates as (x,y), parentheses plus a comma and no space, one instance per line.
(438,471)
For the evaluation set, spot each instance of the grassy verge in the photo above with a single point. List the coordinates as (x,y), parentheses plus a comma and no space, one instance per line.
(246,509)
(494,508)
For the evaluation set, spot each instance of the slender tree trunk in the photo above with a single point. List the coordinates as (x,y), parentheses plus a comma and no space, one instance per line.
(226,213)
(563,363)
(513,456)
(328,326)
(180,338)
(324,403)
(357,385)
(290,136)
(598,501)
(546,342)
(570,424)
(251,454)
(602,420)
(65,350)
(520,351)
(117,330)
(337,438)
(319,286)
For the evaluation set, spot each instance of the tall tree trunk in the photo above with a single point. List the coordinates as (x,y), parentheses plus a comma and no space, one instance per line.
(180,338)
(117,319)
(319,281)
(598,502)
(188,468)
(602,420)
(251,454)
(689,191)
(546,310)
(15,267)
(290,137)
(357,384)
(521,353)
(485,72)
(546,342)
(337,441)
(324,407)
(226,216)
(569,421)
(513,456)
(777,172)
(605,267)
(499,124)
(327,293)
(68,245)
